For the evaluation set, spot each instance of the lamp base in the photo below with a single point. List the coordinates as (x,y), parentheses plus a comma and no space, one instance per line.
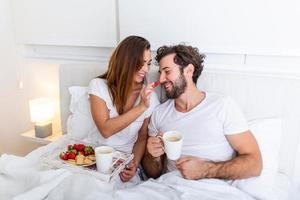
(43,131)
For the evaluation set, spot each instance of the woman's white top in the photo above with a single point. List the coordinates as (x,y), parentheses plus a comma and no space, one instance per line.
(125,139)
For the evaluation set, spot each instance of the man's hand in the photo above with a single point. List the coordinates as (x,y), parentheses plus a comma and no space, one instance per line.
(155,147)
(192,168)
(128,172)
(153,159)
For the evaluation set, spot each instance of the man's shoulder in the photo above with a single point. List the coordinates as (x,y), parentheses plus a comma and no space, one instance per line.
(164,106)
(220,101)
(217,97)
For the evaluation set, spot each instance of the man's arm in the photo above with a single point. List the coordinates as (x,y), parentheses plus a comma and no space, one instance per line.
(247,163)
(153,161)
(138,151)
(140,145)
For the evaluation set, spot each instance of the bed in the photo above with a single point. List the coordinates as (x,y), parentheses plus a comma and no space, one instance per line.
(268,99)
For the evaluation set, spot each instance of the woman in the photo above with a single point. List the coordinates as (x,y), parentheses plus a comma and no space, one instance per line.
(120,102)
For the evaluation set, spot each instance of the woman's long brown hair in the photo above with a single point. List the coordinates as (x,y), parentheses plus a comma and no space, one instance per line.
(126,60)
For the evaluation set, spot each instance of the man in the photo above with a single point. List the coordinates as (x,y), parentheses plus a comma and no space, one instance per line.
(217,142)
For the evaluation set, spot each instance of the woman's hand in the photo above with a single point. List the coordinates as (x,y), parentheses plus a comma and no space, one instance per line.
(145,95)
(128,172)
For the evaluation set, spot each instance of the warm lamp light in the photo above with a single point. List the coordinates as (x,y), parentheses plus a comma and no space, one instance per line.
(42,113)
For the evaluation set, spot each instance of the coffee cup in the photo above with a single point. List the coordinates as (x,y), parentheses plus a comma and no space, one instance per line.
(104,158)
(172,144)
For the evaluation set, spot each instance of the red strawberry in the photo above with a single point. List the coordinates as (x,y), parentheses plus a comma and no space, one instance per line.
(73,151)
(155,84)
(71,155)
(79,147)
(88,150)
(63,156)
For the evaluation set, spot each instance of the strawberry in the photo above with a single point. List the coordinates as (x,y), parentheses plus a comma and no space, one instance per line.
(72,150)
(155,84)
(71,155)
(79,147)
(88,150)
(63,156)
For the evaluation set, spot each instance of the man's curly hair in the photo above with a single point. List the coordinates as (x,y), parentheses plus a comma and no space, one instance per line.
(184,55)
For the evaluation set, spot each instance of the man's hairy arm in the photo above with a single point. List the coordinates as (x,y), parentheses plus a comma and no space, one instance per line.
(153,166)
(247,163)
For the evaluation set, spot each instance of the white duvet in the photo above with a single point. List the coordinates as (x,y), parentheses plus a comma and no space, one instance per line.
(23,178)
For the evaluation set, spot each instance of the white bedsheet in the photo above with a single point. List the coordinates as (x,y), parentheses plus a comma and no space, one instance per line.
(21,178)
(173,186)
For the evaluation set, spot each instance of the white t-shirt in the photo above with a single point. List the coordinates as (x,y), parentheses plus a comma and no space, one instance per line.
(204,127)
(125,139)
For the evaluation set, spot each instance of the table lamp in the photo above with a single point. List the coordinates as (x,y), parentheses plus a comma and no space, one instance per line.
(42,113)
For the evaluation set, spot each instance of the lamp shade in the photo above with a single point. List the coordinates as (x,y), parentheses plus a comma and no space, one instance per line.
(41,110)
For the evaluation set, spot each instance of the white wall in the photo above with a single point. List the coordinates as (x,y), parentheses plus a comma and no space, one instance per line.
(67,22)
(13,108)
(261,27)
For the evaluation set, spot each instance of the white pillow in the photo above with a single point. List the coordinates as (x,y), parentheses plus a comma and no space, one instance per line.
(80,123)
(267,132)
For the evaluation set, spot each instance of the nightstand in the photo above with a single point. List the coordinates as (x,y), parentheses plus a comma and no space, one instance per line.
(30,135)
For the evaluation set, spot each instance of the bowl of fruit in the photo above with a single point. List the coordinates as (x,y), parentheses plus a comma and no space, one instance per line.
(78,154)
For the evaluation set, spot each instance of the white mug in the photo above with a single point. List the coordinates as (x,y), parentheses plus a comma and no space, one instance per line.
(104,158)
(172,144)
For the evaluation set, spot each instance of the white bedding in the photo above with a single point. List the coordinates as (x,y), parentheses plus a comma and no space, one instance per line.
(173,186)
(26,178)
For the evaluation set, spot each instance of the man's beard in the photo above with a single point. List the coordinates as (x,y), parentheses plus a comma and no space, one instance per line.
(178,88)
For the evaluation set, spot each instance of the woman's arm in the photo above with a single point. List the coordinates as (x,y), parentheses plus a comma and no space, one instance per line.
(109,126)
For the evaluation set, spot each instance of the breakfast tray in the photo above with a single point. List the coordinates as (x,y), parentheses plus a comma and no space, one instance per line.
(120,160)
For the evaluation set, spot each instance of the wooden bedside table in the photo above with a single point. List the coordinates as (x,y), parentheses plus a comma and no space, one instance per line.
(30,135)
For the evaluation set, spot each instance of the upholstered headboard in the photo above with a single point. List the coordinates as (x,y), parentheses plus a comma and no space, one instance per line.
(260,93)
(74,75)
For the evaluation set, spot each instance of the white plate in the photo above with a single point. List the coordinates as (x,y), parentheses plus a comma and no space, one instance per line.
(83,165)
